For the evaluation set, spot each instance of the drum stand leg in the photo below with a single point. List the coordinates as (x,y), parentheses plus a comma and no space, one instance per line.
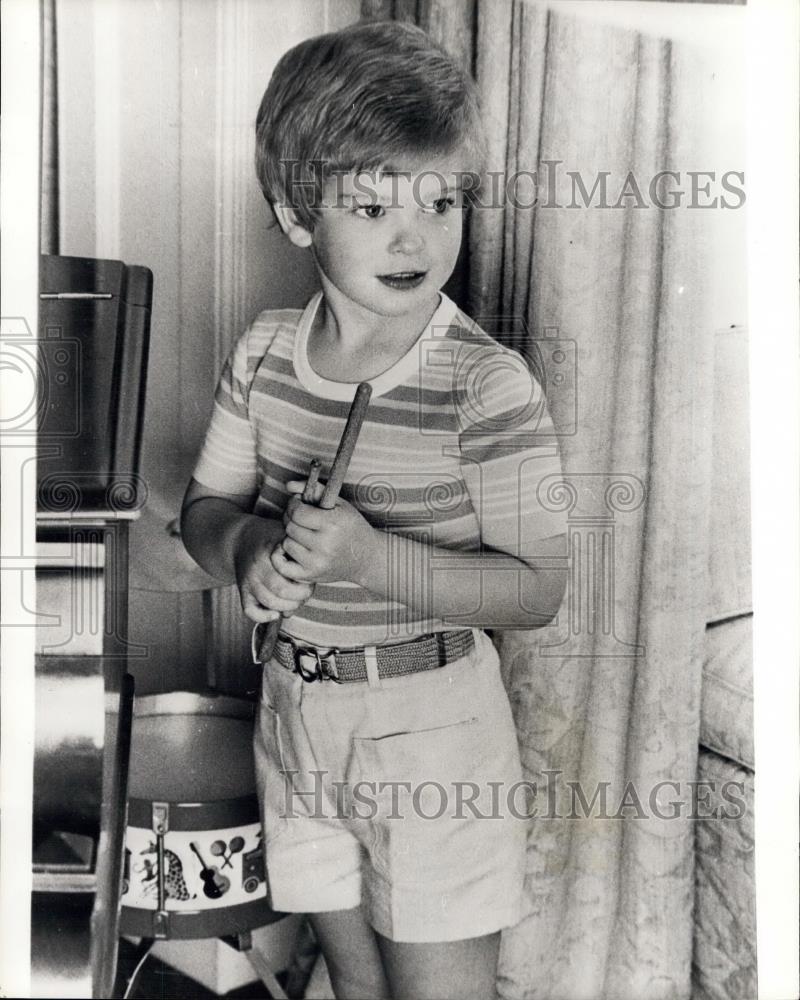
(243,941)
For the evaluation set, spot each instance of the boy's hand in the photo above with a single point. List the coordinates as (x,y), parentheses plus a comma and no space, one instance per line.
(264,591)
(323,546)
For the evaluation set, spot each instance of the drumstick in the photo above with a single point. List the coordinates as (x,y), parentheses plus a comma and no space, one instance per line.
(344,453)
(311,482)
(355,418)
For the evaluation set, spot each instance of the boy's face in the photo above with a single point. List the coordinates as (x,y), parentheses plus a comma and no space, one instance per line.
(389,241)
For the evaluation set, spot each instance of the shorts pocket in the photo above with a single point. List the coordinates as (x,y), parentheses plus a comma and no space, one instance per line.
(435,807)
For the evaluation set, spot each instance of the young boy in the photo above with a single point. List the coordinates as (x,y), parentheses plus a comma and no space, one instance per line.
(385,749)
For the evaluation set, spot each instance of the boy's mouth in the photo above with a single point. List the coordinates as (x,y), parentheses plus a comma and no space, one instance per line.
(402,280)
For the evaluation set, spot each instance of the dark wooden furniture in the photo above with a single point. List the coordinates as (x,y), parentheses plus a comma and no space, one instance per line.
(93,334)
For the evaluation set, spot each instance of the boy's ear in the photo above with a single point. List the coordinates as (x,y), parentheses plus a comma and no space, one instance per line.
(289,223)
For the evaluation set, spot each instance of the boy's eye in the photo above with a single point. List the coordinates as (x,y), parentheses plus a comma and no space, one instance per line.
(370,211)
(441,205)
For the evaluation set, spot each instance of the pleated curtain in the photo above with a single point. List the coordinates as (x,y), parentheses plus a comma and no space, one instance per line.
(613,302)
(609,899)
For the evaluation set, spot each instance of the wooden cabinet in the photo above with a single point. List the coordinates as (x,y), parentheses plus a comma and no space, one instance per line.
(93,336)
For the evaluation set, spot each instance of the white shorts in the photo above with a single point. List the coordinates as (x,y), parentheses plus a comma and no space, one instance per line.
(395,795)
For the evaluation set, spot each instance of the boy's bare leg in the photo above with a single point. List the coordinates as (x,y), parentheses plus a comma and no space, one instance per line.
(442,971)
(351,953)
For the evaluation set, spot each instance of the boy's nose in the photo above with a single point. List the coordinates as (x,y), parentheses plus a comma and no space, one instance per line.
(407,240)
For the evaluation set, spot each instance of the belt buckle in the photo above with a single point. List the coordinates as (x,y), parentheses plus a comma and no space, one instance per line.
(313,665)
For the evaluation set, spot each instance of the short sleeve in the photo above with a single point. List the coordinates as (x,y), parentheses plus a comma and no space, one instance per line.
(509,451)
(227,461)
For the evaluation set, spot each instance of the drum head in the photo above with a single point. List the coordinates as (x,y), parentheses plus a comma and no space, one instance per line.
(192,748)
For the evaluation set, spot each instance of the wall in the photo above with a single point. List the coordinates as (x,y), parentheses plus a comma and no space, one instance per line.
(156,108)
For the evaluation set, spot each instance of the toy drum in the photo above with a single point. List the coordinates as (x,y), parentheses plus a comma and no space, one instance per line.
(194,858)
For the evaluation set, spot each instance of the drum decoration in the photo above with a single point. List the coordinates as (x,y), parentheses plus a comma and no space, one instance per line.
(194,859)
(235,878)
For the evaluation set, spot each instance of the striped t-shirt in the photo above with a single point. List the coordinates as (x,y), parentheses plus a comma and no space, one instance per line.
(455,444)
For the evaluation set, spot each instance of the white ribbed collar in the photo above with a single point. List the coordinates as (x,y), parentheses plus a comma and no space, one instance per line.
(383,383)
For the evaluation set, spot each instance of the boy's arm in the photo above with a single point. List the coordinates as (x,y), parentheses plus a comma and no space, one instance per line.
(211,526)
(232,544)
(490,588)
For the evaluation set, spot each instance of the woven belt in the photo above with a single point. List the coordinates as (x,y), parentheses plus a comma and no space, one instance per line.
(429,652)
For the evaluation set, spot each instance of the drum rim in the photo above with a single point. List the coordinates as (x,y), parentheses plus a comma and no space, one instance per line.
(197,924)
(197,817)
(193,703)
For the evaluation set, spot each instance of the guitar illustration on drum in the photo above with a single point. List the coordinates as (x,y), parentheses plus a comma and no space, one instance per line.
(215,884)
